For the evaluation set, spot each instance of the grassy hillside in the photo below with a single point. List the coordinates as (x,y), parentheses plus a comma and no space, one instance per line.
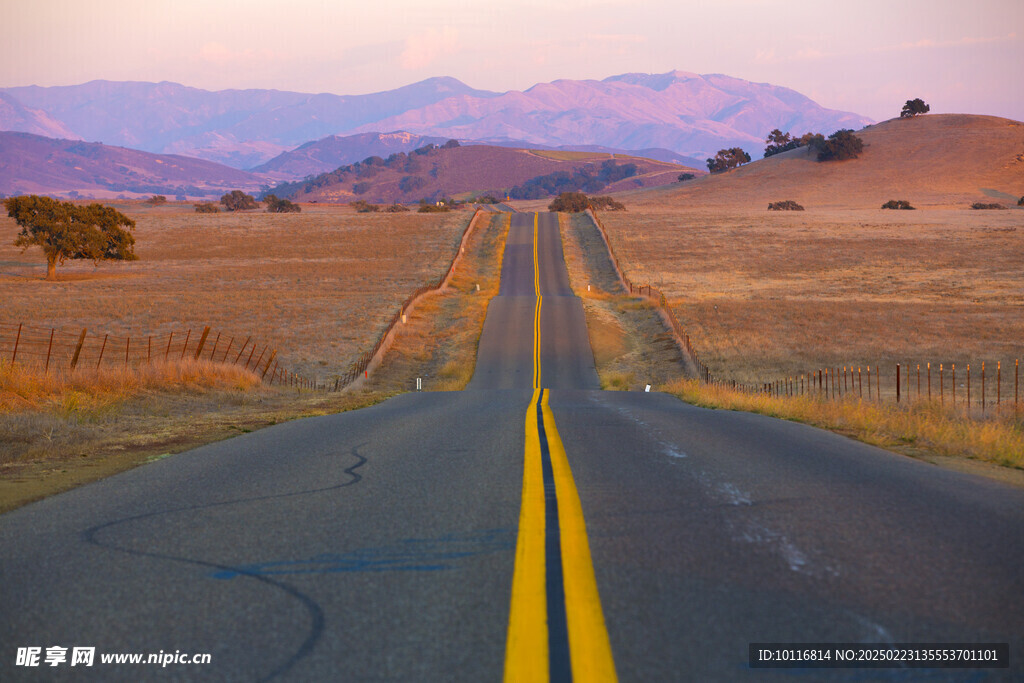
(71,168)
(947,160)
(436,172)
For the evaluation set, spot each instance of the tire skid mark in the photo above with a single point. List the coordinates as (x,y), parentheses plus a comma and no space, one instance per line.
(314,610)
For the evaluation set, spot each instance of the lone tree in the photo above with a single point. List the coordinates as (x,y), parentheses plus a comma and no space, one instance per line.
(66,231)
(914,107)
(728,159)
(236,200)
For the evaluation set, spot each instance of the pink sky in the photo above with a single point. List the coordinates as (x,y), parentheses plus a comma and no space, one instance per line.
(867,57)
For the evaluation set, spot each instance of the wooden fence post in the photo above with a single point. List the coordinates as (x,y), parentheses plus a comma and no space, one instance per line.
(273,354)
(213,352)
(127,344)
(897,383)
(242,350)
(185,347)
(16,340)
(942,386)
(78,350)
(953,370)
(257,365)
(48,350)
(230,342)
(982,399)
(929,381)
(968,389)
(104,346)
(202,341)
(168,351)
(149,350)
(999,383)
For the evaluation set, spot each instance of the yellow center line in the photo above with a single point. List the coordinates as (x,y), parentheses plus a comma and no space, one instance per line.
(526,647)
(590,650)
(536,309)
(527,655)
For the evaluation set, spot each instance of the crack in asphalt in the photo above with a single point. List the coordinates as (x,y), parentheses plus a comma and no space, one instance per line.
(316,613)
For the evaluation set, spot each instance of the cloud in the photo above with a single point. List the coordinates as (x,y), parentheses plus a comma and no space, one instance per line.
(424,48)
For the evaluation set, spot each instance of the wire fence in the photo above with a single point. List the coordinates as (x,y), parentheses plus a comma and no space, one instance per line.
(49,347)
(982,393)
(984,390)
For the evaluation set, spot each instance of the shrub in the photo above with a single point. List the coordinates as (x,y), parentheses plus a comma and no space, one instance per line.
(433,208)
(362,206)
(683,177)
(275,205)
(156,200)
(898,204)
(840,146)
(570,202)
(486,199)
(361,188)
(236,200)
(787,205)
(983,206)
(207,207)
(607,203)
(450,144)
(397,208)
(1020,202)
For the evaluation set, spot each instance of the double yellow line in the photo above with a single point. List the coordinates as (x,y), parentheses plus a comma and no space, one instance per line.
(546,640)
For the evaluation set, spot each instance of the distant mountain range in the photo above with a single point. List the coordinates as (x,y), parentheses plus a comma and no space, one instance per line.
(686,114)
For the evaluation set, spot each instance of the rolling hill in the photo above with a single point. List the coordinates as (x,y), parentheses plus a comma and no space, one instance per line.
(948,160)
(688,114)
(436,172)
(327,154)
(32,164)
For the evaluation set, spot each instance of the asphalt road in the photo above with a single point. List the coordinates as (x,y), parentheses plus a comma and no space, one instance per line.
(383,544)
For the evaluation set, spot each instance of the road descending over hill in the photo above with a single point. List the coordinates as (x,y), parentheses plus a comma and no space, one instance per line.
(529,527)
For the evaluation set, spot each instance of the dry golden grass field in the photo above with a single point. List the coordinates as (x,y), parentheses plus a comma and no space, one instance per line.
(319,286)
(766,295)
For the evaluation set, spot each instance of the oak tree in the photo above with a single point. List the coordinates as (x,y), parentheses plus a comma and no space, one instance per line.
(66,231)
(913,108)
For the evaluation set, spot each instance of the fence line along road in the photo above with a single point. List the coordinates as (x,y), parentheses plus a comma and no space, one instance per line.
(49,347)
